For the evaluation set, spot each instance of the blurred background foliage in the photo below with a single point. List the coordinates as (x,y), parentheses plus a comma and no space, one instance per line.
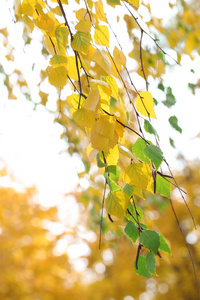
(34,264)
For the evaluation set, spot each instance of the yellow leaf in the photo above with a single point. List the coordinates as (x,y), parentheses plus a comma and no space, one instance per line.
(81,42)
(125,151)
(28,7)
(120,57)
(138,174)
(117,204)
(113,85)
(84,117)
(135,3)
(71,67)
(99,142)
(49,42)
(119,129)
(57,76)
(46,22)
(17,6)
(103,135)
(138,192)
(100,11)
(82,14)
(84,26)
(91,152)
(106,126)
(56,10)
(115,67)
(27,22)
(44,98)
(103,87)
(73,101)
(92,100)
(101,58)
(101,35)
(62,1)
(145,104)
(113,156)
(58,61)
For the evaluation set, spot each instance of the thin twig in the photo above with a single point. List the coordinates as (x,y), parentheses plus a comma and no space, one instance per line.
(101,222)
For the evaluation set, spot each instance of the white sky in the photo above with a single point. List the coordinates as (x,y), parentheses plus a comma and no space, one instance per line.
(30,142)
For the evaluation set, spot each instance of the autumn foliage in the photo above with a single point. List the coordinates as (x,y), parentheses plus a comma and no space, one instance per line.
(106,116)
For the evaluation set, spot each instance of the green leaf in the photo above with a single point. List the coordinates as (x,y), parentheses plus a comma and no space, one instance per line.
(150,239)
(136,217)
(155,101)
(144,226)
(129,189)
(81,42)
(131,231)
(174,123)
(117,204)
(155,154)
(100,163)
(151,262)
(138,150)
(170,99)
(142,270)
(112,185)
(172,142)
(161,87)
(114,172)
(163,244)
(163,186)
(192,87)
(113,2)
(149,128)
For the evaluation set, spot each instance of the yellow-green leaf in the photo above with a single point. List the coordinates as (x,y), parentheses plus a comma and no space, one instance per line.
(117,204)
(58,61)
(81,42)
(84,117)
(138,174)
(62,39)
(145,104)
(101,35)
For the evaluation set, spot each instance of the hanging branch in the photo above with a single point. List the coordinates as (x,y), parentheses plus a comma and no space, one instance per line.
(142,65)
(127,92)
(101,222)
(188,249)
(88,11)
(154,40)
(65,18)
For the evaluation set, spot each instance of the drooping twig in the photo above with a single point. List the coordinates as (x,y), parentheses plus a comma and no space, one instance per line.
(101,222)
(188,249)
(154,40)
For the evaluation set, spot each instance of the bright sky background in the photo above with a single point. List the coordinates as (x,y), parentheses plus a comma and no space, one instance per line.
(30,142)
